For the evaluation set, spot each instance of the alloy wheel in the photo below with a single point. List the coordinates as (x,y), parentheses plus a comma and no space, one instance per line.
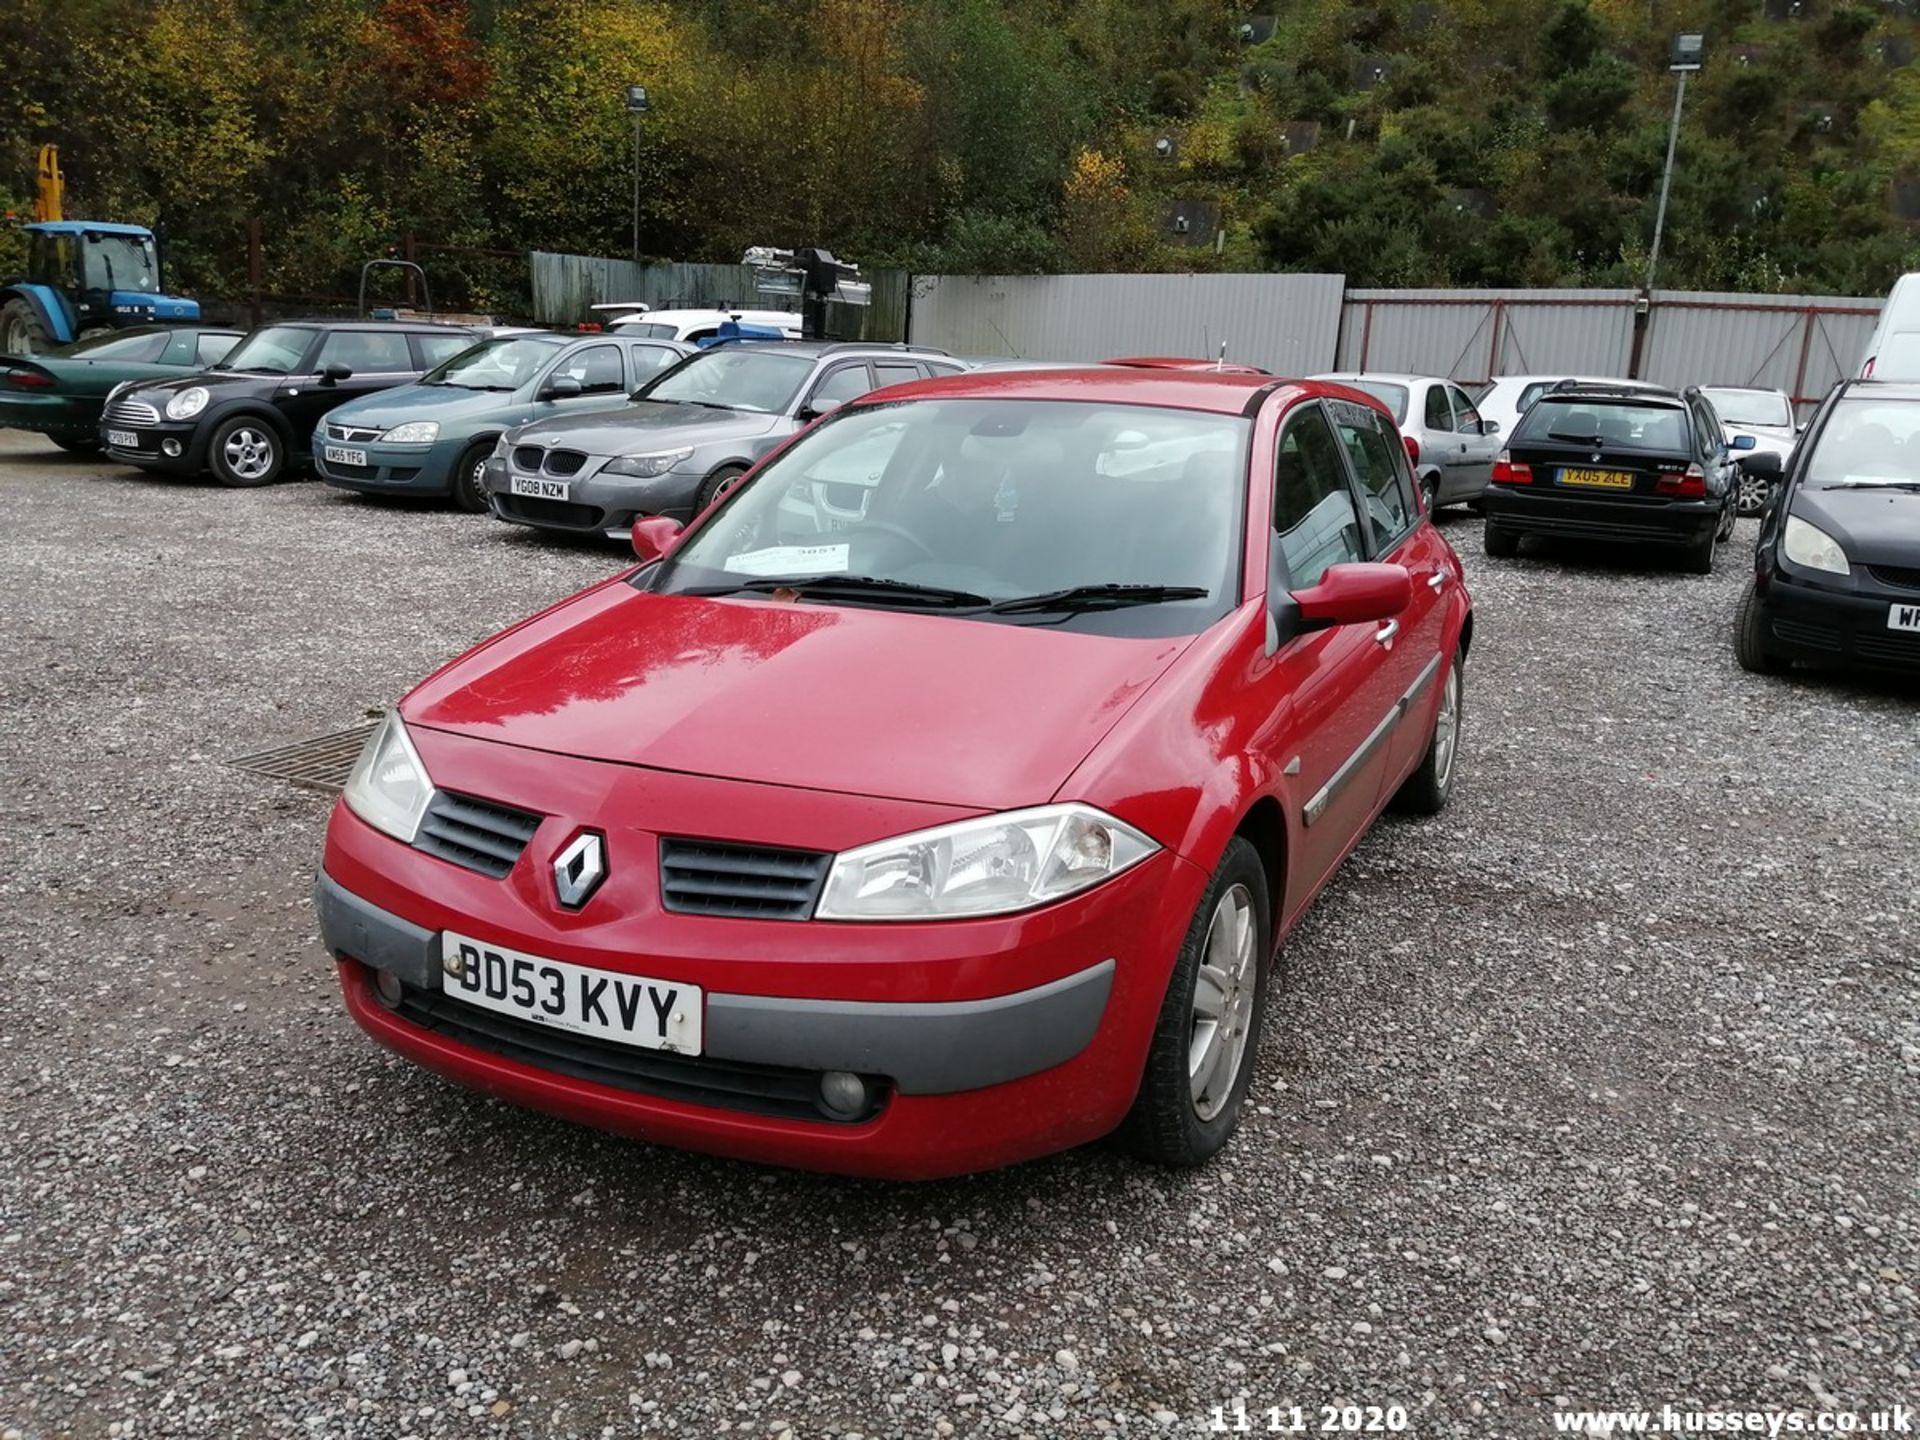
(248,453)
(1446,730)
(1752,494)
(1223,991)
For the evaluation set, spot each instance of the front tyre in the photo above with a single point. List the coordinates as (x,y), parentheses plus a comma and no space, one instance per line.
(1750,638)
(469,471)
(1752,493)
(1200,1061)
(1425,792)
(717,485)
(245,452)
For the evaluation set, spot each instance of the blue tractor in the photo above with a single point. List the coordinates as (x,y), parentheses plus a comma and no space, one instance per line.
(83,277)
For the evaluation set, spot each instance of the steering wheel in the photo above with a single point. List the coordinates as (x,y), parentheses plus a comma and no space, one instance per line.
(899,532)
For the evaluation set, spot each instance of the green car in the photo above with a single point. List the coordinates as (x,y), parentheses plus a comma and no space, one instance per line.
(60,393)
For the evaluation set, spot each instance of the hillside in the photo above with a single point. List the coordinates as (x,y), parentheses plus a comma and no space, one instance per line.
(1405,142)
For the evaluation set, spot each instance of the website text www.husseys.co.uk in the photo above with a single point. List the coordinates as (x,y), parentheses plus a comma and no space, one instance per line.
(1898,1420)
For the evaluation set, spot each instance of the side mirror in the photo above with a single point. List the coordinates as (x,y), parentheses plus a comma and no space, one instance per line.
(1745,442)
(562,387)
(1354,594)
(1489,427)
(1801,428)
(1764,463)
(655,536)
(333,374)
(814,409)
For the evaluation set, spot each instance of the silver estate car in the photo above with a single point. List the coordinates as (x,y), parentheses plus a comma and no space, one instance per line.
(687,436)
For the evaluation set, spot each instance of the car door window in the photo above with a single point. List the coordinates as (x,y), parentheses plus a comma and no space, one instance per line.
(647,359)
(597,368)
(1438,416)
(894,372)
(849,382)
(1466,419)
(1378,461)
(212,349)
(367,352)
(1710,439)
(438,349)
(1314,520)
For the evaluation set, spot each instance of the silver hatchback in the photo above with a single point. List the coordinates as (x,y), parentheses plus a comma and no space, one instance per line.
(1452,448)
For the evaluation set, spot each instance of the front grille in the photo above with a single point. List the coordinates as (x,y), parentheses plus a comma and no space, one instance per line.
(712,877)
(133,412)
(550,512)
(1815,637)
(351,432)
(529,458)
(478,834)
(565,462)
(1896,576)
(774,1090)
(350,472)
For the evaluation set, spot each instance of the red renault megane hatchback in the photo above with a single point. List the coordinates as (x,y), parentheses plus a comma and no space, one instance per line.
(938,799)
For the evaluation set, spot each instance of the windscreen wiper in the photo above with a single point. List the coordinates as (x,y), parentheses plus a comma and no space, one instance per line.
(865,587)
(1096,597)
(1870,485)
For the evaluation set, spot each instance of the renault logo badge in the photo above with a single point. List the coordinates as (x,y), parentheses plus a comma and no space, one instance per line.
(579,869)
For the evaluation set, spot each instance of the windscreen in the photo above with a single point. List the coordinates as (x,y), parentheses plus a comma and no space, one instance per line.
(1868,442)
(1004,499)
(741,377)
(504,364)
(1752,407)
(119,262)
(1623,425)
(271,350)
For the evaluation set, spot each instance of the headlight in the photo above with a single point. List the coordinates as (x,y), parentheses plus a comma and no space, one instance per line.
(389,788)
(991,866)
(1812,547)
(647,466)
(188,403)
(414,432)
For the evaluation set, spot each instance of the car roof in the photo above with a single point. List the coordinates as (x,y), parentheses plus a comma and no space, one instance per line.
(426,327)
(815,349)
(78,227)
(1606,391)
(1390,377)
(1884,389)
(1221,393)
(1746,389)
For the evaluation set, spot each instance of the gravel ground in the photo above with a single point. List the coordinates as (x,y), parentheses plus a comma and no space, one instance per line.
(1598,1090)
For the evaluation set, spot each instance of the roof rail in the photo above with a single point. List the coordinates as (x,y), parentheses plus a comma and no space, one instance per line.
(840,345)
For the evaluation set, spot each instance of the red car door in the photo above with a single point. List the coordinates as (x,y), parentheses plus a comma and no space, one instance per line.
(1331,684)
(1398,533)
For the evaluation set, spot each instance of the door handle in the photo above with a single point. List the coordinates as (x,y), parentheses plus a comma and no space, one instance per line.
(1387,631)
(1437,581)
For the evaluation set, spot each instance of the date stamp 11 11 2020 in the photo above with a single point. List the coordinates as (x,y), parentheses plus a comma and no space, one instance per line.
(1238,1419)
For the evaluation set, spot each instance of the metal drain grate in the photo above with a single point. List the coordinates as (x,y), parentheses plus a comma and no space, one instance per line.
(322,763)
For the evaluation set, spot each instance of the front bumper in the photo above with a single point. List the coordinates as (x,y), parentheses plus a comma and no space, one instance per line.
(1837,620)
(597,504)
(985,1041)
(149,454)
(390,469)
(1545,510)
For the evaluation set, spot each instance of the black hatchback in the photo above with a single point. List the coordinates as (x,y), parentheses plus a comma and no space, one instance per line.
(1836,577)
(252,415)
(1595,462)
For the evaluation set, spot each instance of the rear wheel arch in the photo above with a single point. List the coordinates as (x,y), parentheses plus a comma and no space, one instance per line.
(1466,635)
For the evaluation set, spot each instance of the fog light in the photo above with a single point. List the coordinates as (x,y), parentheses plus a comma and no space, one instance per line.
(843,1093)
(171,447)
(387,987)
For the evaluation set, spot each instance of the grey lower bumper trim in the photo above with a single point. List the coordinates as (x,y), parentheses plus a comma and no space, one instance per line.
(933,1048)
(376,937)
(925,1048)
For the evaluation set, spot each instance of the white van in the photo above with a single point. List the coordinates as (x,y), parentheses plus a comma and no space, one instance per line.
(1894,351)
(695,325)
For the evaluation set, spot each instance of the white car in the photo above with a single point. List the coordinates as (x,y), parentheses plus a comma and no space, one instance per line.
(1894,351)
(1766,415)
(693,326)
(1505,398)
(1452,448)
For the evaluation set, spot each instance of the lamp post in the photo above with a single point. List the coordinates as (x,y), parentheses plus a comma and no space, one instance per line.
(1684,59)
(637,106)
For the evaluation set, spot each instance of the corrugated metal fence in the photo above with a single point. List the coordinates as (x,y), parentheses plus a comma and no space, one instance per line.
(1801,344)
(1287,323)
(566,287)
